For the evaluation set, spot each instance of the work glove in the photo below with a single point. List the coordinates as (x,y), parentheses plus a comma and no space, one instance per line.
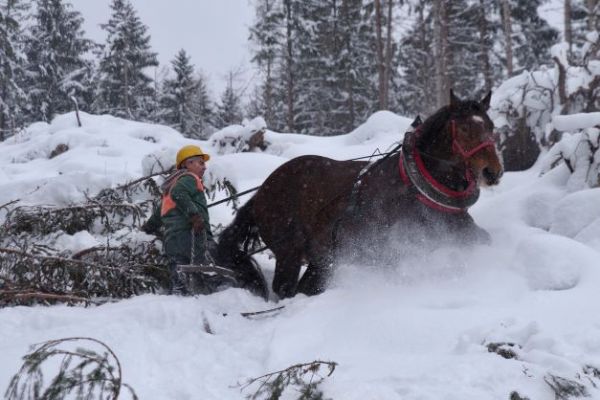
(197,223)
(146,228)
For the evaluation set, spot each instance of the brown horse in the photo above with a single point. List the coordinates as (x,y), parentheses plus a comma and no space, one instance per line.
(314,210)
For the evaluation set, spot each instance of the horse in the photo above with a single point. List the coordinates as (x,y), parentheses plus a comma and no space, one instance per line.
(315,210)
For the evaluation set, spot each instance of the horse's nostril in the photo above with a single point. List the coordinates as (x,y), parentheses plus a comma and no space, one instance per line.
(490,176)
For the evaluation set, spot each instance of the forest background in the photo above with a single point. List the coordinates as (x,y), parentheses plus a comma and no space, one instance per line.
(323,66)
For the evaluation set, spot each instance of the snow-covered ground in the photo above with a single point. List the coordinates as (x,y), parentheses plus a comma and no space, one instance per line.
(419,331)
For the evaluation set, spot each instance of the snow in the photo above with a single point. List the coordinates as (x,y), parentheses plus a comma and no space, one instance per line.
(576,121)
(418,331)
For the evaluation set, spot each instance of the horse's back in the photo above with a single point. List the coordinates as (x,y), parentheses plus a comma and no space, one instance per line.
(297,193)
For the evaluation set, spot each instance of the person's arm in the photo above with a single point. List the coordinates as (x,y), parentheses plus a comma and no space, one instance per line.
(153,224)
(182,194)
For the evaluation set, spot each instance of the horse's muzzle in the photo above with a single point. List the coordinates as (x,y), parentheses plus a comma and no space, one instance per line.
(491,177)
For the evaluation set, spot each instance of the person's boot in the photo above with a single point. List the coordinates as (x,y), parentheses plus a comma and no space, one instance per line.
(178,287)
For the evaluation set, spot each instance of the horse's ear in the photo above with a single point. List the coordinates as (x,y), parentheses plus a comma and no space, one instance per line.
(418,121)
(454,100)
(485,103)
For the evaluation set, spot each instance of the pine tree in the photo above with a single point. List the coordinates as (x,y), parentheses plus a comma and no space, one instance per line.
(439,53)
(12,97)
(57,69)
(267,36)
(417,94)
(178,95)
(203,109)
(229,111)
(533,37)
(124,89)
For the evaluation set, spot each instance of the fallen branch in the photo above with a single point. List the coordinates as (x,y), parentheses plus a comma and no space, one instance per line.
(57,259)
(300,377)
(10,203)
(82,372)
(10,295)
(269,311)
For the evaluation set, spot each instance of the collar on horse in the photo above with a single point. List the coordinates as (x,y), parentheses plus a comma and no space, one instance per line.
(431,192)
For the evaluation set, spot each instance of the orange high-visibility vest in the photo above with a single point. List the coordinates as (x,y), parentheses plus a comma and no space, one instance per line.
(167,201)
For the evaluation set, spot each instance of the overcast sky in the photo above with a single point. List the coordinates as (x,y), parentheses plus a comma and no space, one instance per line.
(213,32)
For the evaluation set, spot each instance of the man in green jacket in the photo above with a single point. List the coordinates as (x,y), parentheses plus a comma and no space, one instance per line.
(184,215)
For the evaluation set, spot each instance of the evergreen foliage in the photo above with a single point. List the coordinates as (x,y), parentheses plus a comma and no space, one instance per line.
(12,96)
(266,35)
(57,68)
(302,379)
(185,104)
(84,373)
(532,37)
(124,89)
(229,110)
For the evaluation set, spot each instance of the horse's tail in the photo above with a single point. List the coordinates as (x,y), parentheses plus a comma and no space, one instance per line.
(235,243)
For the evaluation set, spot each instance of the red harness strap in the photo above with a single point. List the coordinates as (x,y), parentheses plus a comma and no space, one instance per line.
(421,197)
(443,191)
(457,148)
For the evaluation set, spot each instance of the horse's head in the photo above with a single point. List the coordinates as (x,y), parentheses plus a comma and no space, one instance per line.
(464,138)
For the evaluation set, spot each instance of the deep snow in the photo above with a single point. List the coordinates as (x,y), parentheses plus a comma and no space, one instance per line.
(418,331)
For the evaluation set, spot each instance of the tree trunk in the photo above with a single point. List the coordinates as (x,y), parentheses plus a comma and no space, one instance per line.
(592,6)
(289,66)
(568,28)
(428,84)
(485,51)
(440,32)
(388,56)
(507,26)
(562,87)
(380,60)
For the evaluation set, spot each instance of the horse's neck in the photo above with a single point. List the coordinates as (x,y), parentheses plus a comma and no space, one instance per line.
(439,162)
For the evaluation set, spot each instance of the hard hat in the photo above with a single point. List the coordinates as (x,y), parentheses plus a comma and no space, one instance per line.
(190,151)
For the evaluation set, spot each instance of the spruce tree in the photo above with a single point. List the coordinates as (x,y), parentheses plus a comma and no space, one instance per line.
(229,111)
(533,37)
(203,109)
(177,97)
(266,36)
(12,96)
(123,88)
(57,69)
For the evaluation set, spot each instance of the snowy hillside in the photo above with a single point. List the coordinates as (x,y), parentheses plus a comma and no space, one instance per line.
(420,331)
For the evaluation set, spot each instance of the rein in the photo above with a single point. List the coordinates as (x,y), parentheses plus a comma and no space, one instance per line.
(235,196)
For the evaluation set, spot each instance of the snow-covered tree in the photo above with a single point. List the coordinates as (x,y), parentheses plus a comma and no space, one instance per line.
(532,36)
(12,96)
(229,110)
(177,96)
(203,108)
(57,67)
(124,89)
(266,35)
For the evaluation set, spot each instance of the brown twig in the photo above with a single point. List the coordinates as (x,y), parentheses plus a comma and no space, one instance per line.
(17,295)
(83,252)
(55,259)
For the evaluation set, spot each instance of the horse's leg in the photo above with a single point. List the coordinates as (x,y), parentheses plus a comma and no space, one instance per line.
(287,270)
(316,277)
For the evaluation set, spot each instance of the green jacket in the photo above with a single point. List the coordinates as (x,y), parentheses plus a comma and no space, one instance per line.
(177,222)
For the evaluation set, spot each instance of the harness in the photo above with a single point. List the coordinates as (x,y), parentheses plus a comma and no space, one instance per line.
(167,201)
(429,191)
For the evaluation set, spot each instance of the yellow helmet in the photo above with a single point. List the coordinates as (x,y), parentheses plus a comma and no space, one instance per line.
(190,151)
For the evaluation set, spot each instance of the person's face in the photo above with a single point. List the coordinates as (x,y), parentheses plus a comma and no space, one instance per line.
(196,165)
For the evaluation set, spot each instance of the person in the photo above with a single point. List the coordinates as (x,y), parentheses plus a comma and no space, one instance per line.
(183,213)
